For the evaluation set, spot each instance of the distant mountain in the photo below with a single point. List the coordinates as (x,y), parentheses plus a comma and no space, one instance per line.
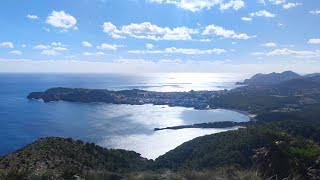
(305,82)
(312,75)
(269,79)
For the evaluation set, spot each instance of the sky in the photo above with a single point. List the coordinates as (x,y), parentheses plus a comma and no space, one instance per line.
(134,36)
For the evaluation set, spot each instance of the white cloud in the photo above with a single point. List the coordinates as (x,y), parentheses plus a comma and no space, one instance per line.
(16,52)
(100,54)
(290,5)
(204,40)
(56,44)
(180,51)
(49,52)
(295,53)
(270,44)
(194,51)
(23,45)
(277,2)
(6,45)
(86,44)
(32,16)
(105,46)
(220,31)
(314,41)
(94,54)
(112,30)
(59,49)
(132,61)
(246,19)
(170,61)
(263,13)
(234,4)
(315,12)
(149,46)
(290,52)
(198,5)
(146,30)
(40,46)
(61,19)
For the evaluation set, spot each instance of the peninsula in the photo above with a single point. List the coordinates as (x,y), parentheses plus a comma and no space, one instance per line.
(193,99)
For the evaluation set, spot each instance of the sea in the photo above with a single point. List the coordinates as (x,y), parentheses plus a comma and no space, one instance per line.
(129,127)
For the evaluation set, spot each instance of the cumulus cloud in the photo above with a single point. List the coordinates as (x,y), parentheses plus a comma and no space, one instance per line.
(105,46)
(315,12)
(180,51)
(59,49)
(112,30)
(314,41)
(234,4)
(146,30)
(198,5)
(278,2)
(94,54)
(300,54)
(15,52)
(290,5)
(32,16)
(262,13)
(56,44)
(246,19)
(149,46)
(270,44)
(6,45)
(86,44)
(61,19)
(290,52)
(49,52)
(220,31)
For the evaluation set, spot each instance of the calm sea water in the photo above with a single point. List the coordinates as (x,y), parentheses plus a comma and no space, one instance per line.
(23,121)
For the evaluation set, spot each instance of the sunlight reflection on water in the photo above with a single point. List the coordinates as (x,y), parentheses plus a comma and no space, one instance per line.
(133,129)
(112,126)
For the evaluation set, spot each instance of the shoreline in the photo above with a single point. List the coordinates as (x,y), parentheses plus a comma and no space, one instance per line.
(251,116)
(215,125)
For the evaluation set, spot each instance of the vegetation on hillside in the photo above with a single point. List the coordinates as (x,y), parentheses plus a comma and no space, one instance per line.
(283,143)
(61,157)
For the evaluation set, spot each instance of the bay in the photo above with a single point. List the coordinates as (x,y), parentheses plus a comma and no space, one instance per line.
(113,126)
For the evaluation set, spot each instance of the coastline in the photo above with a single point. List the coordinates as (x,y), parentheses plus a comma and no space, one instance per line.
(251,116)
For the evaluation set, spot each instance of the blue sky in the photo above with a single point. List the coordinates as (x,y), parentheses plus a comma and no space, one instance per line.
(159,35)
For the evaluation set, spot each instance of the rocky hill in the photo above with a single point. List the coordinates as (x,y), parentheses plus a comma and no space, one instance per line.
(267,79)
(64,158)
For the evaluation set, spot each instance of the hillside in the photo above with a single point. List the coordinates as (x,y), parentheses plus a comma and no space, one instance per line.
(270,152)
(241,154)
(283,143)
(61,157)
(289,95)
